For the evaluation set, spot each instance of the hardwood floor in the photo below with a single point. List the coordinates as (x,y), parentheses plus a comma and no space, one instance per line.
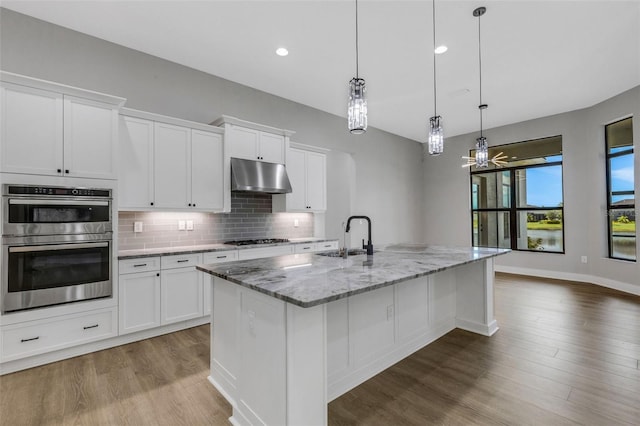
(565,354)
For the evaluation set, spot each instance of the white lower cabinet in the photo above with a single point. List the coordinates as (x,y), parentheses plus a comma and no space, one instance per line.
(313,247)
(46,335)
(213,257)
(181,293)
(139,294)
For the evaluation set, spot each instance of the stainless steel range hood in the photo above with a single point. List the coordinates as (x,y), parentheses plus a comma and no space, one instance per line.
(259,176)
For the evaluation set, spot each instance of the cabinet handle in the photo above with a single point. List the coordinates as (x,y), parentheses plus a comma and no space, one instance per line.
(59,170)
(66,171)
(189,204)
(194,204)
(29,340)
(306,248)
(139,265)
(91,326)
(221,257)
(151,203)
(183,261)
(158,274)
(328,245)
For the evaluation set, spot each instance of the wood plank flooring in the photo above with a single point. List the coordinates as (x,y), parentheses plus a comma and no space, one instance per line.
(565,354)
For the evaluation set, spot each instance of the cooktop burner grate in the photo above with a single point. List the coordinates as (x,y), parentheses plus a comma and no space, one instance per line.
(257,241)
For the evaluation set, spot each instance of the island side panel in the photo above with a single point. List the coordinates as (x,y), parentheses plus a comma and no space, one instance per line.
(474,298)
(369,332)
(268,357)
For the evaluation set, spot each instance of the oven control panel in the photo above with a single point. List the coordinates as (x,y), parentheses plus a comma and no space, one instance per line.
(56,191)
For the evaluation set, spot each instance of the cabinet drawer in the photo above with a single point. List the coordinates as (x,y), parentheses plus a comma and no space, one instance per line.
(327,245)
(220,256)
(36,337)
(256,253)
(304,248)
(180,261)
(143,264)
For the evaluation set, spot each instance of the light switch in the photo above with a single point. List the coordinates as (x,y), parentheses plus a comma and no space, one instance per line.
(181,225)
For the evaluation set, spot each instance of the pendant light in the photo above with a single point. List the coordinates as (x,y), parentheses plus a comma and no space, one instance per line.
(482,148)
(436,134)
(357,110)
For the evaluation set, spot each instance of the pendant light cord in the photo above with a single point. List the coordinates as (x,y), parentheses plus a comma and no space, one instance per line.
(357,74)
(480,69)
(435,95)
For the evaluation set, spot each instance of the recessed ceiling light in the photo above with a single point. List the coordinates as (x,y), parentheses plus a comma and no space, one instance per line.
(441,49)
(281,51)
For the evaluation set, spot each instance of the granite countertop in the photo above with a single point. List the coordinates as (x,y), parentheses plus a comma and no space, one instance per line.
(310,279)
(202,248)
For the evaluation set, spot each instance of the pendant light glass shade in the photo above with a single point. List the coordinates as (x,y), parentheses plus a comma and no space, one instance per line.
(436,136)
(357,111)
(482,153)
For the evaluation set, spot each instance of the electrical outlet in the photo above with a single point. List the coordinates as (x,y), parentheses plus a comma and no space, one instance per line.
(389,312)
(296,223)
(137,226)
(181,225)
(189,225)
(583,259)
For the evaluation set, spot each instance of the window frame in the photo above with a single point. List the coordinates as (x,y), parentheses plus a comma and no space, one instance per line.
(610,193)
(513,209)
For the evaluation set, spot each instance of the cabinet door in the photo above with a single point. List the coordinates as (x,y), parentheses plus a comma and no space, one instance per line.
(90,139)
(271,148)
(316,181)
(207,167)
(139,301)
(172,174)
(243,143)
(297,199)
(181,294)
(136,163)
(31,130)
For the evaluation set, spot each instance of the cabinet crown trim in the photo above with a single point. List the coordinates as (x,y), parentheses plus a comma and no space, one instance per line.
(23,80)
(151,116)
(312,148)
(226,119)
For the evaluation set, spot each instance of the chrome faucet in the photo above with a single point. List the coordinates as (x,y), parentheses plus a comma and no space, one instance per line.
(368,246)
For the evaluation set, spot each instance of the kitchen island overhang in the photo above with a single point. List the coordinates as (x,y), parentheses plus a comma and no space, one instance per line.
(291,333)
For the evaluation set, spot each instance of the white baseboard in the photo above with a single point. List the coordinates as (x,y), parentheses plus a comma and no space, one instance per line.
(569,276)
(46,358)
(478,328)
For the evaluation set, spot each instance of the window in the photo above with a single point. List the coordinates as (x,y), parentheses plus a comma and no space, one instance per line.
(520,205)
(621,217)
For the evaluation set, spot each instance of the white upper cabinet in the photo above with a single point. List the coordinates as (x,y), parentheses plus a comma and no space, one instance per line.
(255,145)
(207,171)
(172,155)
(135,181)
(307,170)
(54,130)
(253,141)
(168,166)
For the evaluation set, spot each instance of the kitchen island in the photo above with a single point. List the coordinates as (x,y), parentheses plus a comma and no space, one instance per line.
(291,333)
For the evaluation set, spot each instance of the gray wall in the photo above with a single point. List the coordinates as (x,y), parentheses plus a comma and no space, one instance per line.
(384,174)
(447,221)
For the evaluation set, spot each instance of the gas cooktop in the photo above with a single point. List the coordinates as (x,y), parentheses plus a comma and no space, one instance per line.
(259,241)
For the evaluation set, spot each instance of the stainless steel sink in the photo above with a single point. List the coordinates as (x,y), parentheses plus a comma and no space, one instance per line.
(336,253)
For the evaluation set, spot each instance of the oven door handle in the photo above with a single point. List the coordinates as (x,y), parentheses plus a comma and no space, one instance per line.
(40,202)
(56,247)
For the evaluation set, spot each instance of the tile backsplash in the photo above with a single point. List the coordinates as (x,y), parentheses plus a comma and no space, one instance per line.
(250,218)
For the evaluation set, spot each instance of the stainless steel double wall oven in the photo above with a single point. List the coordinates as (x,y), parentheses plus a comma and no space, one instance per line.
(56,245)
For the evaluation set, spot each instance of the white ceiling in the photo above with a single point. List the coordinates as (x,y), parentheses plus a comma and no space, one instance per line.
(539,57)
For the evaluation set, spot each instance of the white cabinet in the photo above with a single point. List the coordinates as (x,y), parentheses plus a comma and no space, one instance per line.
(135,181)
(313,247)
(255,145)
(168,166)
(213,257)
(139,294)
(36,337)
(255,253)
(307,170)
(181,288)
(47,131)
